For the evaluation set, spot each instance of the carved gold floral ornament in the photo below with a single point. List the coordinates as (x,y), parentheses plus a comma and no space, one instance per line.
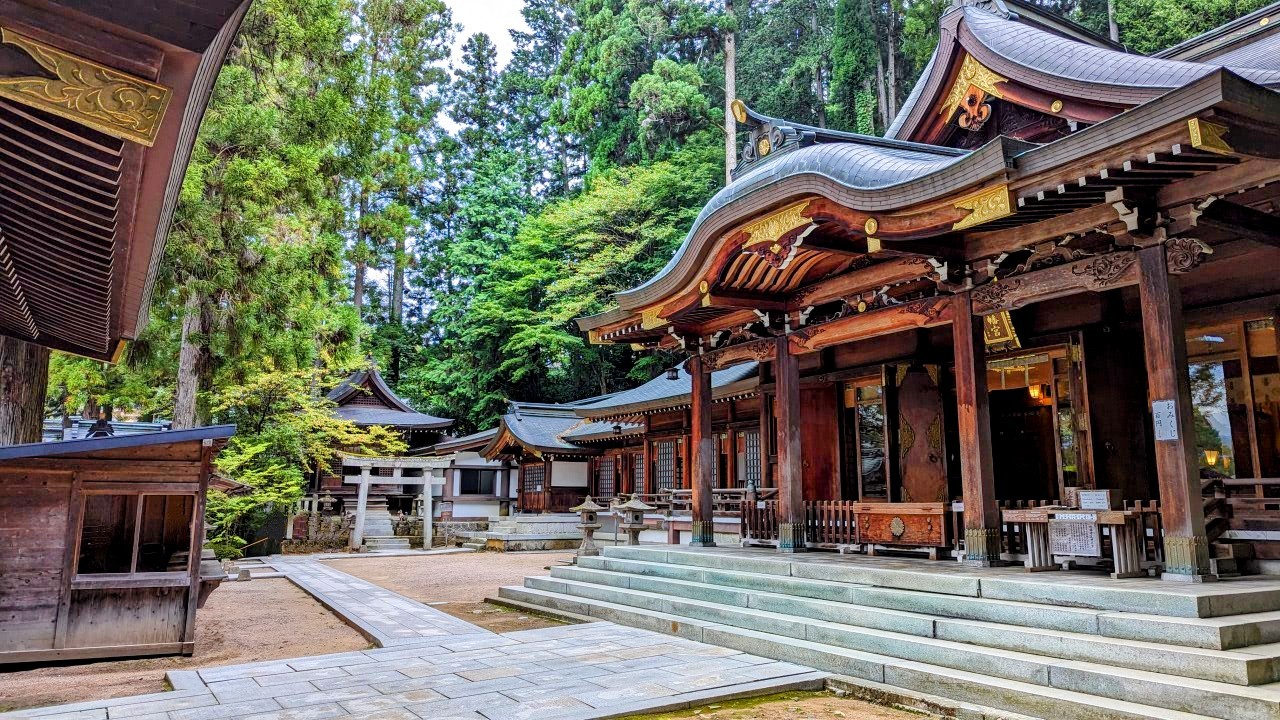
(969,93)
(985,205)
(775,238)
(93,95)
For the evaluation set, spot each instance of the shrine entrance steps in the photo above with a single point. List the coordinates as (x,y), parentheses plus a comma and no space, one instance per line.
(1048,645)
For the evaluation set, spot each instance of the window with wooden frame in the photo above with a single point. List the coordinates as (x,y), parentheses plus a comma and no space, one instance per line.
(748,457)
(533,475)
(666,464)
(866,442)
(1235,399)
(122,533)
(637,472)
(606,476)
(475,481)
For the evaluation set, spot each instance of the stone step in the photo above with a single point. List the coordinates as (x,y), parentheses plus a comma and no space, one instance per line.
(386,542)
(1169,691)
(1223,633)
(1260,665)
(1032,700)
(1087,590)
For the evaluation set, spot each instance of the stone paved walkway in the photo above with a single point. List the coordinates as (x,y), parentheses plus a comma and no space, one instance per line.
(431,666)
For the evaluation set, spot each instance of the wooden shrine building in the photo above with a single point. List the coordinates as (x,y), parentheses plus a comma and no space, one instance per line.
(1056,273)
(102,541)
(397,484)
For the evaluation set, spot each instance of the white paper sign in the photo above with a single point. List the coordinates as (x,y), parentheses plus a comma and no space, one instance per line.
(1095,500)
(1164,417)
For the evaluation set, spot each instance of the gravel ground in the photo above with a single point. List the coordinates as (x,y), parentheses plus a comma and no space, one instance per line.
(241,622)
(458,583)
(788,706)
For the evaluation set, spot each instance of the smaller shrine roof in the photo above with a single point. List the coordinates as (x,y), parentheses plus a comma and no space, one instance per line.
(386,407)
(538,428)
(661,393)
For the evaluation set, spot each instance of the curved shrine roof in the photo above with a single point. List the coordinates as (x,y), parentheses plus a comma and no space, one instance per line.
(868,172)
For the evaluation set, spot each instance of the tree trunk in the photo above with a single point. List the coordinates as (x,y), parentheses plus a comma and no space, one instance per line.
(362,244)
(730,94)
(24,375)
(892,47)
(884,102)
(1112,27)
(190,362)
(819,78)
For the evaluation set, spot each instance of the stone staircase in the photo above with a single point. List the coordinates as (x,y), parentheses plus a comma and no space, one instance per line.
(379,532)
(1048,645)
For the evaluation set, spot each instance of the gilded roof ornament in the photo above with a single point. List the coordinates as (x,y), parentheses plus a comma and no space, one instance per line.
(973,74)
(83,91)
(1209,136)
(774,237)
(985,205)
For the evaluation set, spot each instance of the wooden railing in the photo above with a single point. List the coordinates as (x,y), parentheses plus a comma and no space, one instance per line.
(829,523)
(724,501)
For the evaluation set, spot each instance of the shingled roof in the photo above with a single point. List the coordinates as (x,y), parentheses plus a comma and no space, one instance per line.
(536,428)
(663,394)
(364,398)
(1063,66)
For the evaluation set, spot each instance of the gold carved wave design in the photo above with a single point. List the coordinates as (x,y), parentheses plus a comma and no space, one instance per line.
(93,95)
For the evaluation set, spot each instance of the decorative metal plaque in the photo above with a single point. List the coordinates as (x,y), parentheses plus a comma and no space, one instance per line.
(1075,537)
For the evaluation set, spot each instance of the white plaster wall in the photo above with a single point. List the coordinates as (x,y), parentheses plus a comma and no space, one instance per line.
(475,509)
(569,474)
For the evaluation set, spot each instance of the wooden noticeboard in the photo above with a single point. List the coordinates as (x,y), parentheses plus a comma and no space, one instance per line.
(1075,534)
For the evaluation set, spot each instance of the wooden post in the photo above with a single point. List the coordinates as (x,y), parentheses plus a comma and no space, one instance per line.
(791,525)
(362,501)
(766,440)
(973,418)
(703,442)
(1186,548)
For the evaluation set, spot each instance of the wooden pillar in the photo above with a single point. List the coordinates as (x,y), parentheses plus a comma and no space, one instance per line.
(703,442)
(1186,548)
(791,525)
(362,502)
(766,439)
(973,418)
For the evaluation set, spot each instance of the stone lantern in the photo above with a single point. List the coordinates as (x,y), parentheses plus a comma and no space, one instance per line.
(590,523)
(633,512)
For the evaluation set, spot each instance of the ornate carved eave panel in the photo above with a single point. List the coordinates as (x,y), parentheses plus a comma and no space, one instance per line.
(923,313)
(969,93)
(1095,274)
(88,93)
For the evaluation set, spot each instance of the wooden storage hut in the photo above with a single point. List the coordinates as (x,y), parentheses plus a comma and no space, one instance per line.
(100,545)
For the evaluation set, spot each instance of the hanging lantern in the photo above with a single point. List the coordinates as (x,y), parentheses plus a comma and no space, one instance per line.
(673,373)
(1211,457)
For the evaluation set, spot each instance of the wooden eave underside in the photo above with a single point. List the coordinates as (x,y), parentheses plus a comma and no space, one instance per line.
(84,211)
(1146,162)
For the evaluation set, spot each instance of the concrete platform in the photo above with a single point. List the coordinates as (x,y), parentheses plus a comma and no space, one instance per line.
(1051,645)
(517,533)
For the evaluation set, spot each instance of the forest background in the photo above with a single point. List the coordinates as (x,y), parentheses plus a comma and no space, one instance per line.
(355,194)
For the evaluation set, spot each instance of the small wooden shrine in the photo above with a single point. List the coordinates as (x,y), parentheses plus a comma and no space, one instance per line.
(101,543)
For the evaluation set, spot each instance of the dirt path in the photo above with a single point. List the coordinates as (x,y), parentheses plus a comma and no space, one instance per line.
(788,706)
(457,584)
(241,622)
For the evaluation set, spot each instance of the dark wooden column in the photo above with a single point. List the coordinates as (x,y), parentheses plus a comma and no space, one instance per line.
(973,418)
(1186,548)
(791,525)
(703,442)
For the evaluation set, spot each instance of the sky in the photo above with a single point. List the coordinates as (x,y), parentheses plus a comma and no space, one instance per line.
(495,17)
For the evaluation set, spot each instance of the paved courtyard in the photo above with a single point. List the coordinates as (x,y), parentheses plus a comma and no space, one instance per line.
(431,666)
